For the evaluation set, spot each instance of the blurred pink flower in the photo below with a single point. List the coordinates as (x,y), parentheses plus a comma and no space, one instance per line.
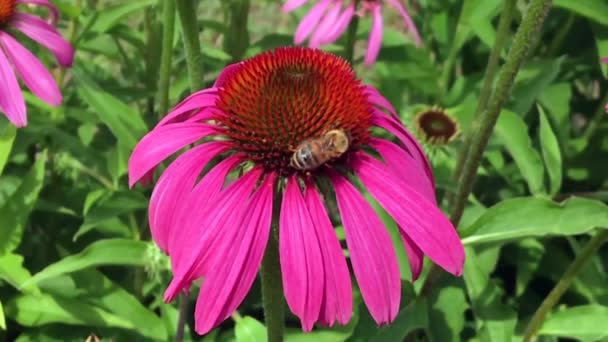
(13,55)
(216,226)
(328,19)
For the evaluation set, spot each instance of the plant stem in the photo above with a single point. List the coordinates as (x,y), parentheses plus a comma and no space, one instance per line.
(564,283)
(165,57)
(351,37)
(482,129)
(187,15)
(272,289)
(502,32)
(181,321)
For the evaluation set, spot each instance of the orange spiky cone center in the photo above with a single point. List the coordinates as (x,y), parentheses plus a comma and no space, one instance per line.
(278,99)
(7,9)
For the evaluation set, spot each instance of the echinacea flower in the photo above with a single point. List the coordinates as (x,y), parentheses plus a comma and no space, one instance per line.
(31,71)
(328,19)
(212,208)
(435,126)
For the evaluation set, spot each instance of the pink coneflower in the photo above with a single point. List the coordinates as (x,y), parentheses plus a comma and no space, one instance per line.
(13,55)
(214,218)
(328,19)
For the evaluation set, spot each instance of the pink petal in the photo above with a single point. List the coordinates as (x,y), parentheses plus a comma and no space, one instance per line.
(419,218)
(32,72)
(375,36)
(197,101)
(338,297)
(174,184)
(408,20)
(162,142)
(199,250)
(414,255)
(241,248)
(53,12)
(46,35)
(11,98)
(291,5)
(325,26)
(300,256)
(605,60)
(402,164)
(371,252)
(340,25)
(310,21)
(395,127)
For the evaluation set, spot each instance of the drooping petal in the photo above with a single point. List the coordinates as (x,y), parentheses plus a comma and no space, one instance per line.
(371,252)
(310,21)
(162,142)
(11,98)
(325,26)
(375,36)
(340,26)
(199,251)
(32,72)
(393,126)
(405,167)
(338,295)
(53,12)
(419,218)
(46,35)
(291,5)
(174,185)
(408,20)
(196,101)
(414,255)
(230,280)
(300,257)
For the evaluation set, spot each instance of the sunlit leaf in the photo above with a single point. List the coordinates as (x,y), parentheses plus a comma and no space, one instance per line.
(536,217)
(586,322)
(248,329)
(104,252)
(551,153)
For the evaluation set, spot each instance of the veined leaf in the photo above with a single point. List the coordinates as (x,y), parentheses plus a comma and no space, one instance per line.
(104,252)
(586,322)
(536,217)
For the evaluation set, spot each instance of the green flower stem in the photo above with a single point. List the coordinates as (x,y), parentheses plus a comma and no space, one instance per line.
(502,33)
(187,15)
(482,129)
(272,289)
(165,57)
(351,37)
(564,283)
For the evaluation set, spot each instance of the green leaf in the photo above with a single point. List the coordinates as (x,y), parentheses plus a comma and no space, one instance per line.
(2,318)
(592,9)
(38,310)
(551,153)
(7,135)
(496,321)
(524,217)
(248,329)
(473,13)
(125,123)
(104,252)
(586,322)
(16,210)
(13,272)
(512,131)
(532,81)
(412,317)
(447,314)
(107,295)
(114,15)
(527,260)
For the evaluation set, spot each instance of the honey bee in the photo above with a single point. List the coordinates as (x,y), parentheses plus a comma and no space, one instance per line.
(314,152)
